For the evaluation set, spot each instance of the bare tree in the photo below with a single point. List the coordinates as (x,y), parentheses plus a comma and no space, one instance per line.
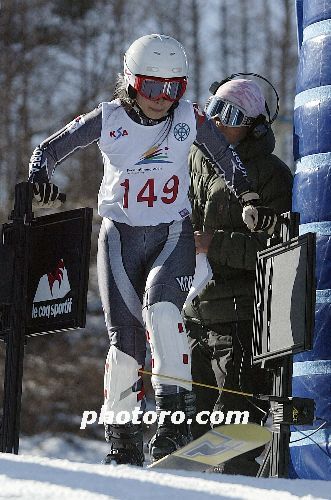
(196,51)
(287,57)
(267,49)
(224,38)
(244,22)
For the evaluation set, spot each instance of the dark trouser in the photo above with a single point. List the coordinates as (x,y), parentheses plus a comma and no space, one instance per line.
(221,355)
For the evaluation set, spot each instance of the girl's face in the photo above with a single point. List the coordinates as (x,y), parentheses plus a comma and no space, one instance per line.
(153,109)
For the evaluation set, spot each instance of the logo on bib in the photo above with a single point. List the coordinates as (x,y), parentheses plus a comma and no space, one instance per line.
(154,155)
(116,134)
(181,131)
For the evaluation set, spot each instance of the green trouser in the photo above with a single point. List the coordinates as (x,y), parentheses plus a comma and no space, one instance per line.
(221,355)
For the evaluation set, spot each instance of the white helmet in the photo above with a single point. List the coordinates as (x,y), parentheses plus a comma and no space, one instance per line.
(155,55)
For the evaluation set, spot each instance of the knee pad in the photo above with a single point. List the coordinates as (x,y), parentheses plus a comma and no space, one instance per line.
(169,345)
(121,382)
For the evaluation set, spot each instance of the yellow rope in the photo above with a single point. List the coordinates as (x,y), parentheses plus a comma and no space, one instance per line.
(196,383)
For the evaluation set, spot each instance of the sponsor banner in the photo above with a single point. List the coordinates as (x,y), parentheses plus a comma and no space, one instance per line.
(58,271)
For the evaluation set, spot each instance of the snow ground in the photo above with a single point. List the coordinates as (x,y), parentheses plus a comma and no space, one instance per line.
(67,469)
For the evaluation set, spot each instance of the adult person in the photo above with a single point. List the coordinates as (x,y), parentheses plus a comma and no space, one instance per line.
(219,320)
(146,239)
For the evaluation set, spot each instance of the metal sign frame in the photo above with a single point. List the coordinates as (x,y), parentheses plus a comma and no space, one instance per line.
(20,248)
(287,254)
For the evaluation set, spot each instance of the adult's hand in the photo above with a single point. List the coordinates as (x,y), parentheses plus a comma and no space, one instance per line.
(202,241)
(258,218)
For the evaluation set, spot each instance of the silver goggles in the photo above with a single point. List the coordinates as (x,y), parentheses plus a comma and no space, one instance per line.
(229,114)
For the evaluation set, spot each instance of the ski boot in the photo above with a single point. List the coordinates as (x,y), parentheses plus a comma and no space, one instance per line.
(126,444)
(170,437)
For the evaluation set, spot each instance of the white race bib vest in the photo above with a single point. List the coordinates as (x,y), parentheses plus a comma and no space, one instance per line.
(146,176)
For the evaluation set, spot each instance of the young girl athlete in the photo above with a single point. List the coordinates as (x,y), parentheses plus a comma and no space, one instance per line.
(146,253)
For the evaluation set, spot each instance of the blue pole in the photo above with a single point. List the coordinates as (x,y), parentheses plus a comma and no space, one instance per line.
(310,454)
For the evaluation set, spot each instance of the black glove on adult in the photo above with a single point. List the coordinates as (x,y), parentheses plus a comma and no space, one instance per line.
(47,195)
(257,218)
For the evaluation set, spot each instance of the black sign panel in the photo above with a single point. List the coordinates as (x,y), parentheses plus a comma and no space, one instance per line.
(58,265)
(284,298)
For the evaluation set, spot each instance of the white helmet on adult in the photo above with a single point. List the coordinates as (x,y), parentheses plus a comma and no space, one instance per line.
(155,55)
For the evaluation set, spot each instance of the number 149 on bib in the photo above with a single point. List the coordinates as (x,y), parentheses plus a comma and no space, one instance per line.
(147,192)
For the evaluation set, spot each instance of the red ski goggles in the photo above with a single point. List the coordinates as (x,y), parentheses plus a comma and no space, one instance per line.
(154,88)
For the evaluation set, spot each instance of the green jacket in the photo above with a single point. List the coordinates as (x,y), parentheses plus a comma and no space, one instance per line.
(232,253)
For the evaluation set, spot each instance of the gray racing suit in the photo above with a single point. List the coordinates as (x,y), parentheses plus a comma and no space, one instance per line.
(142,266)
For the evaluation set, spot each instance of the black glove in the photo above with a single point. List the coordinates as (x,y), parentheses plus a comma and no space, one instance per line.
(258,218)
(47,195)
